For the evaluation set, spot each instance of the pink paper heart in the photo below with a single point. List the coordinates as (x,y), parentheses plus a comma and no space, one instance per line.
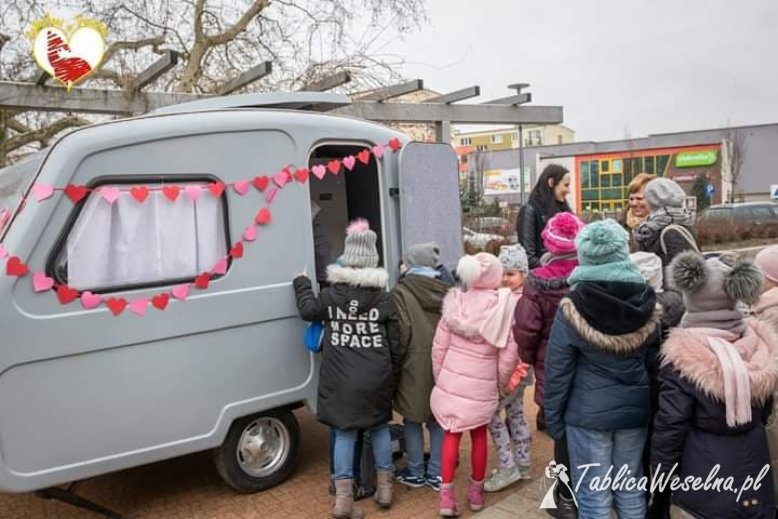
(3,252)
(220,267)
(378,151)
(241,187)
(41,282)
(193,192)
(110,194)
(138,307)
(180,292)
(349,162)
(281,178)
(319,170)
(90,300)
(42,191)
(250,234)
(270,195)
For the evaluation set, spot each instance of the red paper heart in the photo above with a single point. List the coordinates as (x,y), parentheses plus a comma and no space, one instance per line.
(203,280)
(237,250)
(216,188)
(140,193)
(395,144)
(263,216)
(15,267)
(160,301)
(66,295)
(171,192)
(261,182)
(301,175)
(334,166)
(364,156)
(116,305)
(75,193)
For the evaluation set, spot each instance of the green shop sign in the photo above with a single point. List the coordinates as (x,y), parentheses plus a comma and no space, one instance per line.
(691,159)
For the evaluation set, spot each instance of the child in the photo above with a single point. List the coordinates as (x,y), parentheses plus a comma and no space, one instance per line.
(716,381)
(359,361)
(418,299)
(597,383)
(470,362)
(512,440)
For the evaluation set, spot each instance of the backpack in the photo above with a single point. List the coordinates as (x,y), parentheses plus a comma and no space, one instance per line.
(683,231)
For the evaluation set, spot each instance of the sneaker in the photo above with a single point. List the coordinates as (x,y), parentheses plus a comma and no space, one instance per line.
(409,480)
(434,482)
(501,479)
(524,472)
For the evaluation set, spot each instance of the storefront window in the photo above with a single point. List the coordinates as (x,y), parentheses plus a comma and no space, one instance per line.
(617,180)
(649,164)
(585,174)
(661,164)
(594,174)
(604,166)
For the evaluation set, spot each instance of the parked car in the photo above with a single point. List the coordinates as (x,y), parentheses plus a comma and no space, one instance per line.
(492,225)
(742,213)
(479,239)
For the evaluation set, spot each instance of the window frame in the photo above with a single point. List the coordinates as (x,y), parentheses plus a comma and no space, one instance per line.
(134,180)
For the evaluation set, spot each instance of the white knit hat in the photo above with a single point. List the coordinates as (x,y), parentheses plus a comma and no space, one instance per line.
(360,250)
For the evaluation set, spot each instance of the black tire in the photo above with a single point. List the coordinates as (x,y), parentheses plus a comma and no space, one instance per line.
(247,475)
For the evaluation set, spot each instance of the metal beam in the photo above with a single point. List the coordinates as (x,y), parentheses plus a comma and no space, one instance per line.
(248,77)
(156,69)
(390,92)
(454,114)
(443,132)
(328,82)
(459,95)
(41,78)
(28,96)
(512,100)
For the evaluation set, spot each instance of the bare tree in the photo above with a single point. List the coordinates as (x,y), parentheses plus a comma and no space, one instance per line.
(733,148)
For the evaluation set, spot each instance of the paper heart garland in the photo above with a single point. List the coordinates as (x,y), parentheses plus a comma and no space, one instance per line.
(180,292)
(138,307)
(90,300)
(116,305)
(15,267)
(160,301)
(193,193)
(216,188)
(171,192)
(395,144)
(378,151)
(261,182)
(3,252)
(220,267)
(250,234)
(282,178)
(41,282)
(364,156)
(319,171)
(271,195)
(241,187)
(66,295)
(263,216)
(140,193)
(350,162)
(203,280)
(301,175)
(42,192)
(110,194)
(75,193)
(334,166)
(236,251)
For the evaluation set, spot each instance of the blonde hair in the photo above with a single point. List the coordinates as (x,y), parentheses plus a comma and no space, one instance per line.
(640,181)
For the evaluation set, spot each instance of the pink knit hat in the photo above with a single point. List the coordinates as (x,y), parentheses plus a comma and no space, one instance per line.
(483,270)
(767,260)
(560,232)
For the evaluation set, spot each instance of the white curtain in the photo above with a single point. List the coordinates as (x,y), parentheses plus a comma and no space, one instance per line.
(128,242)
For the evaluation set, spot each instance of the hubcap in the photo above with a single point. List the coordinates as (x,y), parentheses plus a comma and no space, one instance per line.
(263,447)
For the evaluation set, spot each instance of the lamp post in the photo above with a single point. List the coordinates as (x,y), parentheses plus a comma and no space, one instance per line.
(519,87)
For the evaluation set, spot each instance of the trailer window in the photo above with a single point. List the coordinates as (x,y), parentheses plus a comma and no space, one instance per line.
(127,244)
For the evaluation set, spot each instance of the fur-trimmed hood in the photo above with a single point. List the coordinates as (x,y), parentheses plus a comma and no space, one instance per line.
(624,343)
(687,351)
(358,277)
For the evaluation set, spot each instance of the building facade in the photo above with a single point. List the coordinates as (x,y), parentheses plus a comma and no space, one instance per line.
(508,138)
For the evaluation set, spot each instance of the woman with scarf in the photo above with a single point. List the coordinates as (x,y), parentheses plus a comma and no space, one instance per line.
(668,230)
(717,378)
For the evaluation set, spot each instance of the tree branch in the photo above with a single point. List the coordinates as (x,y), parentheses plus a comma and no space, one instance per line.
(42,135)
(220,39)
(116,46)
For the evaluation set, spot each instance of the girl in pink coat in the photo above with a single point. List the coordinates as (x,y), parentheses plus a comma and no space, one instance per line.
(473,356)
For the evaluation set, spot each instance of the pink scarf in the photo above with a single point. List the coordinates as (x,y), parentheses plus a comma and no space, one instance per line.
(497,325)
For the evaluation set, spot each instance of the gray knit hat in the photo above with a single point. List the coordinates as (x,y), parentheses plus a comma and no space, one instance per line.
(422,255)
(663,192)
(360,250)
(514,257)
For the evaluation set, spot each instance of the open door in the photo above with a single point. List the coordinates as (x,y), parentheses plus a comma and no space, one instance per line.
(429,199)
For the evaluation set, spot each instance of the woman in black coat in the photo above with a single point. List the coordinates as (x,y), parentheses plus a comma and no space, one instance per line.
(548,198)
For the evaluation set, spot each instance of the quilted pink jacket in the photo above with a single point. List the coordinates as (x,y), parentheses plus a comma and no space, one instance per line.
(468,370)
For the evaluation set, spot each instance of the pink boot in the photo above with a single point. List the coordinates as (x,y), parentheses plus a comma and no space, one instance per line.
(448,501)
(475,495)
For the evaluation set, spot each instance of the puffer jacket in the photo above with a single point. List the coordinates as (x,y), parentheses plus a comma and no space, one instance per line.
(469,371)
(596,370)
(530,222)
(691,429)
(544,289)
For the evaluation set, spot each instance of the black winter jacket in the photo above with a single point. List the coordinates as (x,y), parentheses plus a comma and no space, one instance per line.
(675,243)
(360,363)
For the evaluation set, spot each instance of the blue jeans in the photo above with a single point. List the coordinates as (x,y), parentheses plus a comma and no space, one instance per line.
(414,448)
(614,449)
(345,442)
(357,454)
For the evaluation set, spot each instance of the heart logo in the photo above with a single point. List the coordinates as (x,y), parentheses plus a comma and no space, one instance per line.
(349,162)
(216,188)
(75,193)
(41,282)
(110,194)
(364,156)
(378,151)
(160,301)
(66,295)
(193,193)
(180,292)
(319,171)
(15,267)
(250,234)
(171,192)
(395,144)
(301,175)
(69,54)
(116,305)
(42,191)
(140,193)
(263,216)
(203,280)
(261,182)
(90,300)
(237,250)
(241,187)
(138,307)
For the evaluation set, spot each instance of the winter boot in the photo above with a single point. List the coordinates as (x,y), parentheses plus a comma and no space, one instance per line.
(344,501)
(383,493)
(475,495)
(448,501)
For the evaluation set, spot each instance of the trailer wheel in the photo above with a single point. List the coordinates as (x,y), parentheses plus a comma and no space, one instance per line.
(259,451)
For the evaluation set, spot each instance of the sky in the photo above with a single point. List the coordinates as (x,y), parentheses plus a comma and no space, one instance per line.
(620,68)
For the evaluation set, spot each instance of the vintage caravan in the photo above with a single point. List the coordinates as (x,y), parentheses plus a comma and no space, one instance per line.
(146,308)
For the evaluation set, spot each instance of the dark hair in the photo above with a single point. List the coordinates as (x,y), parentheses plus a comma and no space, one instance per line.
(543,194)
